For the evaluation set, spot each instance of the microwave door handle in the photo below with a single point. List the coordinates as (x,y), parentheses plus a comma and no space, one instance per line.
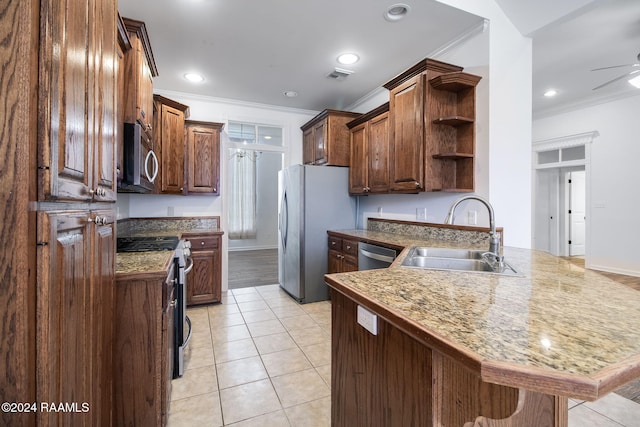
(151,154)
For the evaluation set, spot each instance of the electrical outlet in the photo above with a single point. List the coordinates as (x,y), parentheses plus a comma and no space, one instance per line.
(368,320)
(472,217)
(379,211)
(170,211)
(421,214)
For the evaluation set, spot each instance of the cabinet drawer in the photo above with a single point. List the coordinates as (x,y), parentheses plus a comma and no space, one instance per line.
(335,243)
(201,243)
(350,247)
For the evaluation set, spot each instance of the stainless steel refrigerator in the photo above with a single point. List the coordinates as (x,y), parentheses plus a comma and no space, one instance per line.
(313,199)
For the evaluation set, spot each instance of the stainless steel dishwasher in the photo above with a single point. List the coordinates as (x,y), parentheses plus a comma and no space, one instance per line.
(373,256)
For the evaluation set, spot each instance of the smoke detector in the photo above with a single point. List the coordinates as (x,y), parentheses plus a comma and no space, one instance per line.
(339,74)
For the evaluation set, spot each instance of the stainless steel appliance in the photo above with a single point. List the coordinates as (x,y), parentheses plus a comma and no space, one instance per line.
(182,265)
(313,199)
(139,162)
(371,256)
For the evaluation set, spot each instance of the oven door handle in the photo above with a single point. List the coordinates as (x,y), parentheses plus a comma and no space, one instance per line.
(186,340)
(188,268)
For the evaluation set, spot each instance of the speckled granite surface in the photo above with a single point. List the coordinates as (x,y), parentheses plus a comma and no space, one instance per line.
(151,262)
(558,317)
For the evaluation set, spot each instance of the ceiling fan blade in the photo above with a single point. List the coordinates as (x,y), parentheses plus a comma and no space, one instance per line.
(616,66)
(626,75)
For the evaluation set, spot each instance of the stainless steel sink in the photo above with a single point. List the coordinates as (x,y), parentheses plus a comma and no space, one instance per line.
(449,253)
(455,259)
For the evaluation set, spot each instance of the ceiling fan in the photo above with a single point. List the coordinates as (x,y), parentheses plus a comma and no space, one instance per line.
(625,75)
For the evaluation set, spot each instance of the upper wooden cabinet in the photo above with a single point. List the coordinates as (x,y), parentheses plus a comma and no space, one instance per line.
(77,94)
(202,164)
(369,163)
(325,138)
(140,69)
(169,144)
(431,115)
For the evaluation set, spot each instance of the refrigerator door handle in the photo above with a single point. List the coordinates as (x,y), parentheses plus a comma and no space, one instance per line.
(285,214)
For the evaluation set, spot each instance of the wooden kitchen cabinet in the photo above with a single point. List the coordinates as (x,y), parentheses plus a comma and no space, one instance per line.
(74,332)
(369,160)
(77,101)
(393,379)
(140,69)
(325,138)
(431,116)
(202,163)
(204,282)
(143,362)
(343,254)
(169,144)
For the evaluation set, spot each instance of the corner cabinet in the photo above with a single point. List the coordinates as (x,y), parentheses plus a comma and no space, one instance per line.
(431,115)
(369,160)
(168,118)
(202,163)
(204,282)
(140,69)
(143,362)
(325,138)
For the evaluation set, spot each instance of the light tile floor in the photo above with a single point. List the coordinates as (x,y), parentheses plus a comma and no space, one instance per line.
(261,359)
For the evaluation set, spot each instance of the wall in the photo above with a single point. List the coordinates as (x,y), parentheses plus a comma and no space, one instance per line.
(612,216)
(503,130)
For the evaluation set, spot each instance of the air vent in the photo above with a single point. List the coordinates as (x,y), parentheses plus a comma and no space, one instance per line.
(339,74)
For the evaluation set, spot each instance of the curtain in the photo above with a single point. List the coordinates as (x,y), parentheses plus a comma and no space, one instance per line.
(242,208)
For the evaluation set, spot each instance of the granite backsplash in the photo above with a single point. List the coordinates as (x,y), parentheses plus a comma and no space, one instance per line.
(132,226)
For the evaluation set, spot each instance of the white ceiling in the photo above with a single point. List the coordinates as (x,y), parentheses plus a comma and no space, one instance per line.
(253,51)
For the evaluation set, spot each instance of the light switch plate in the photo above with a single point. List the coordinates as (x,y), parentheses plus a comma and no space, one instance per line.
(368,320)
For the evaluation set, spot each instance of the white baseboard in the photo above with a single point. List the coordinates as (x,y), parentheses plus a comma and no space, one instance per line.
(251,248)
(608,269)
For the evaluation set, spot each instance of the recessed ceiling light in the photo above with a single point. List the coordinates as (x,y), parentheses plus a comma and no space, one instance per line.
(290,93)
(267,137)
(348,58)
(635,81)
(551,93)
(194,77)
(396,12)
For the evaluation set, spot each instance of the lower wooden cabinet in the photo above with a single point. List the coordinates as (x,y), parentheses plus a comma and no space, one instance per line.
(204,282)
(74,332)
(343,255)
(143,362)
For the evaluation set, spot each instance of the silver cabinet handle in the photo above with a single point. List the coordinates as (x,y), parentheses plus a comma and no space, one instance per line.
(174,303)
(417,184)
(99,220)
(100,192)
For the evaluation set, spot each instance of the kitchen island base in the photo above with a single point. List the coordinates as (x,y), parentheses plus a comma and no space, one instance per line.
(395,379)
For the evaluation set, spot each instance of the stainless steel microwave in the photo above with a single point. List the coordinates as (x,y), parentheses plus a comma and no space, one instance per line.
(139,162)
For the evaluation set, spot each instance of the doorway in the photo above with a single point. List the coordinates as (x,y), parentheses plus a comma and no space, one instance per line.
(254,155)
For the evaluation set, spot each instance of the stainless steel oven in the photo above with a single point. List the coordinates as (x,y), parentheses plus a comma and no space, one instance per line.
(184,264)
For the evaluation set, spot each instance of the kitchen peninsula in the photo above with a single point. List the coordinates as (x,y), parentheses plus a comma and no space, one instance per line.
(477,349)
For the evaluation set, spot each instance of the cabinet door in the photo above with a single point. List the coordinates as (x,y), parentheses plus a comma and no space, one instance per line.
(308,148)
(335,262)
(349,263)
(204,282)
(320,142)
(406,111)
(64,152)
(101,317)
(203,159)
(104,86)
(378,154)
(172,140)
(144,84)
(64,329)
(358,181)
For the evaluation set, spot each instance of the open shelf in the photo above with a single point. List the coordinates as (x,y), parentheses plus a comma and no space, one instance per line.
(452,156)
(453,120)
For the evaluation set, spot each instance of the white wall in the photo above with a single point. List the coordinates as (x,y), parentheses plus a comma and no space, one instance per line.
(503,130)
(614,211)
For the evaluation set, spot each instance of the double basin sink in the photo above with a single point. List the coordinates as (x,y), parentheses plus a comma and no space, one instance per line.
(456,259)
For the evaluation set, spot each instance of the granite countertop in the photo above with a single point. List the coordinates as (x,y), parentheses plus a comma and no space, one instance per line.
(158,262)
(557,328)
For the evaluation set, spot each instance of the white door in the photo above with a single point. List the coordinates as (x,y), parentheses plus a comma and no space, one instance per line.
(577,208)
